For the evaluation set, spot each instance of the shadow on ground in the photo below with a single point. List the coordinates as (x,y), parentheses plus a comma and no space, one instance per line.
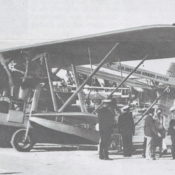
(44,148)
(137,149)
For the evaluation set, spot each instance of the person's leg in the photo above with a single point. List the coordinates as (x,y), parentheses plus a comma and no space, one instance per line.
(173,150)
(127,145)
(153,150)
(148,147)
(160,148)
(164,147)
(101,146)
(144,147)
(124,139)
(101,156)
(130,145)
(106,144)
(173,146)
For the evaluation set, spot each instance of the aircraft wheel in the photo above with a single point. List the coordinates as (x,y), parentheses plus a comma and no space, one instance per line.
(19,143)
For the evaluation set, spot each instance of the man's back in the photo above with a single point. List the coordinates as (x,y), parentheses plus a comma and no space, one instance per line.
(106,119)
(126,123)
(171,129)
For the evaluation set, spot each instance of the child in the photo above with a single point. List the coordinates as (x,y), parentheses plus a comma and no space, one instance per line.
(171,132)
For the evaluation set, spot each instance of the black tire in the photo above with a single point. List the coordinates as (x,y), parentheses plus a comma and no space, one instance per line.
(18,143)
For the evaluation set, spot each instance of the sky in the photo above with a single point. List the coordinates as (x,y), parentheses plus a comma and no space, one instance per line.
(25,22)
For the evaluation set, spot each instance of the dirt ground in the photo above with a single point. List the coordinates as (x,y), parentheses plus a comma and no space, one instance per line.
(53,159)
(75,160)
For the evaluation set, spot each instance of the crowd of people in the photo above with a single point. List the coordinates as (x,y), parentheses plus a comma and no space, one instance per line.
(154,131)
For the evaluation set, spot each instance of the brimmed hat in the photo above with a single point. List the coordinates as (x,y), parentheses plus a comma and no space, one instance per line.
(107,101)
(125,108)
(158,110)
(172,108)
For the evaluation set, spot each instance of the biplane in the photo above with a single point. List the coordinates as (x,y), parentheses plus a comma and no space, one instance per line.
(56,122)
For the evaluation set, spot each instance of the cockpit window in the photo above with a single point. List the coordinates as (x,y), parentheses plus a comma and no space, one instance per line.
(17,105)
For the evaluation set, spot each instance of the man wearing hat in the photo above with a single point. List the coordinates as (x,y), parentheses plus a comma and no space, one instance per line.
(171,132)
(127,130)
(150,131)
(171,129)
(159,126)
(172,115)
(106,121)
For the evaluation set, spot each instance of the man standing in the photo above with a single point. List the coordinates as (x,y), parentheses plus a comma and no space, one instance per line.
(127,130)
(171,116)
(149,131)
(106,122)
(159,124)
(171,129)
(171,132)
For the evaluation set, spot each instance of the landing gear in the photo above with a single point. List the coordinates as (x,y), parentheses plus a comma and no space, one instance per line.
(19,143)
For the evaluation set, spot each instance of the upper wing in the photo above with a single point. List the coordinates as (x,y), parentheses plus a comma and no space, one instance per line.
(158,41)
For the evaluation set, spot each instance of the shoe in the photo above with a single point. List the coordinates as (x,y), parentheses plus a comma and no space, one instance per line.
(149,158)
(143,155)
(129,155)
(107,158)
(101,158)
(125,155)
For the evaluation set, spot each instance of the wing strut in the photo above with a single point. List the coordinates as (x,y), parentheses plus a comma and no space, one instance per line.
(50,83)
(121,69)
(122,82)
(82,104)
(165,90)
(90,76)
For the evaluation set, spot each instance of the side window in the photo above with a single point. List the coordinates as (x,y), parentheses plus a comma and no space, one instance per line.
(4,107)
(17,106)
(45,101)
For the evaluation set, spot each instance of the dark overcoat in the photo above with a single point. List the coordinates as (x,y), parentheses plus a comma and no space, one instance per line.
(126,124)
(106,119)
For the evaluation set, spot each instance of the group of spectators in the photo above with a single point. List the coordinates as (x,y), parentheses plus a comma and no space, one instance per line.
(154,131)
(126,128)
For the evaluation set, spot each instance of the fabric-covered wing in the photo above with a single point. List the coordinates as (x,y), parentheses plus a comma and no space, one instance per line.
(158,41)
